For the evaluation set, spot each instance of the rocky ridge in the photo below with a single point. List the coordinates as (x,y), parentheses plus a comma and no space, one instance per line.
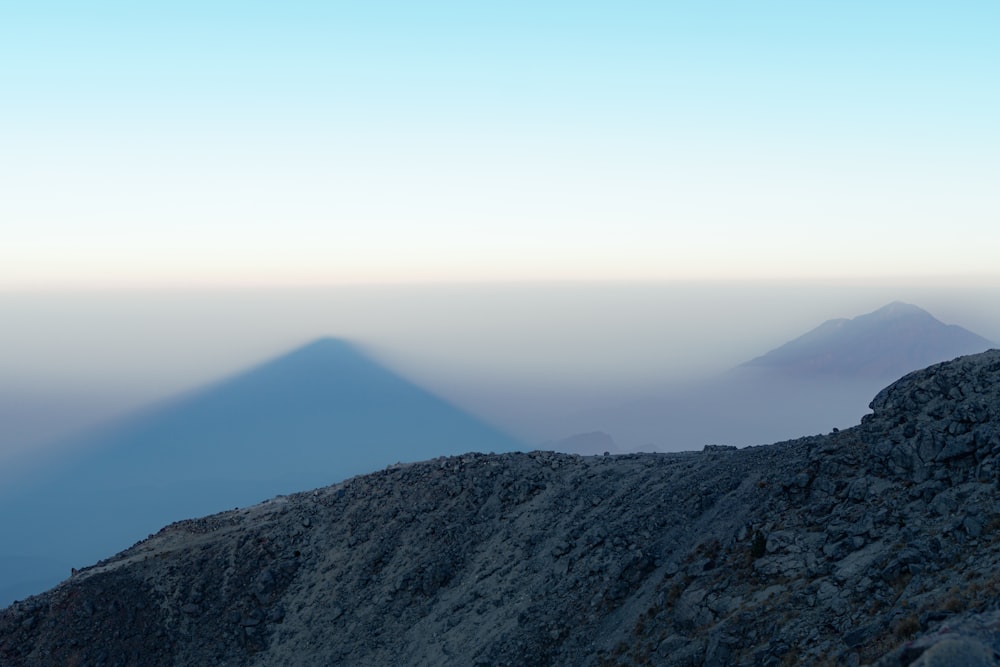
(874,544)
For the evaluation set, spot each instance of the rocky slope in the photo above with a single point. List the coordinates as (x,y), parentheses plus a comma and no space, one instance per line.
(873,544)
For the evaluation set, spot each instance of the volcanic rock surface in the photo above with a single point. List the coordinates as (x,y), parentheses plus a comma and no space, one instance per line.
(874,544)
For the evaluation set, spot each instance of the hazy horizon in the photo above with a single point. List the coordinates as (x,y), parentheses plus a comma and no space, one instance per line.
(529,208)
(520,356)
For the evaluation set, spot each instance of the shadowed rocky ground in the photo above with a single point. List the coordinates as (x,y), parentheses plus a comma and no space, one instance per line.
(875,543)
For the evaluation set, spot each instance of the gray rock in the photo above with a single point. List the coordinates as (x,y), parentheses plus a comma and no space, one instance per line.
(191,609)
(870,537)
(973,526)
(954,652)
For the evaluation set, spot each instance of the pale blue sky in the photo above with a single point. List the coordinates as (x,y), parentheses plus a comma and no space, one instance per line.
(262,143)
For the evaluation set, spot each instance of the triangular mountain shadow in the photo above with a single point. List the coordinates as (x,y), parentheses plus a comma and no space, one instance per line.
(310,418)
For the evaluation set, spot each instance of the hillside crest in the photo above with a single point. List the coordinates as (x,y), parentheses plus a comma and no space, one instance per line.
(874,544)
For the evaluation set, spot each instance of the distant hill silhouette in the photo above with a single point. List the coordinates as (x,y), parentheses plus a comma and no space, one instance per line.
(310,418)
(818,381)
(891,341)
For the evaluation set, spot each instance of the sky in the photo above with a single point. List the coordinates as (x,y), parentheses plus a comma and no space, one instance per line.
(221,144)
(527,206)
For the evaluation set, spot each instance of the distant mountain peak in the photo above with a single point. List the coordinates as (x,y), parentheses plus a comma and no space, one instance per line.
(899,307)
(885,343)
(898,310)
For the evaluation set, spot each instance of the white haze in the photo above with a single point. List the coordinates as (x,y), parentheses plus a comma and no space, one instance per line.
(523,356)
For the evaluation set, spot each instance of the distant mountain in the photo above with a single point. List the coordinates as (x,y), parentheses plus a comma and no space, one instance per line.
(313,417)
(884,344)
(818,381)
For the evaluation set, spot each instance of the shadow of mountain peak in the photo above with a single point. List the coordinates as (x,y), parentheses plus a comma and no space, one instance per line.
(314,416)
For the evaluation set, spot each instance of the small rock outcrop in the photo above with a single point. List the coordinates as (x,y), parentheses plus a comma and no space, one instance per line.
(939,422)
(876,544)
